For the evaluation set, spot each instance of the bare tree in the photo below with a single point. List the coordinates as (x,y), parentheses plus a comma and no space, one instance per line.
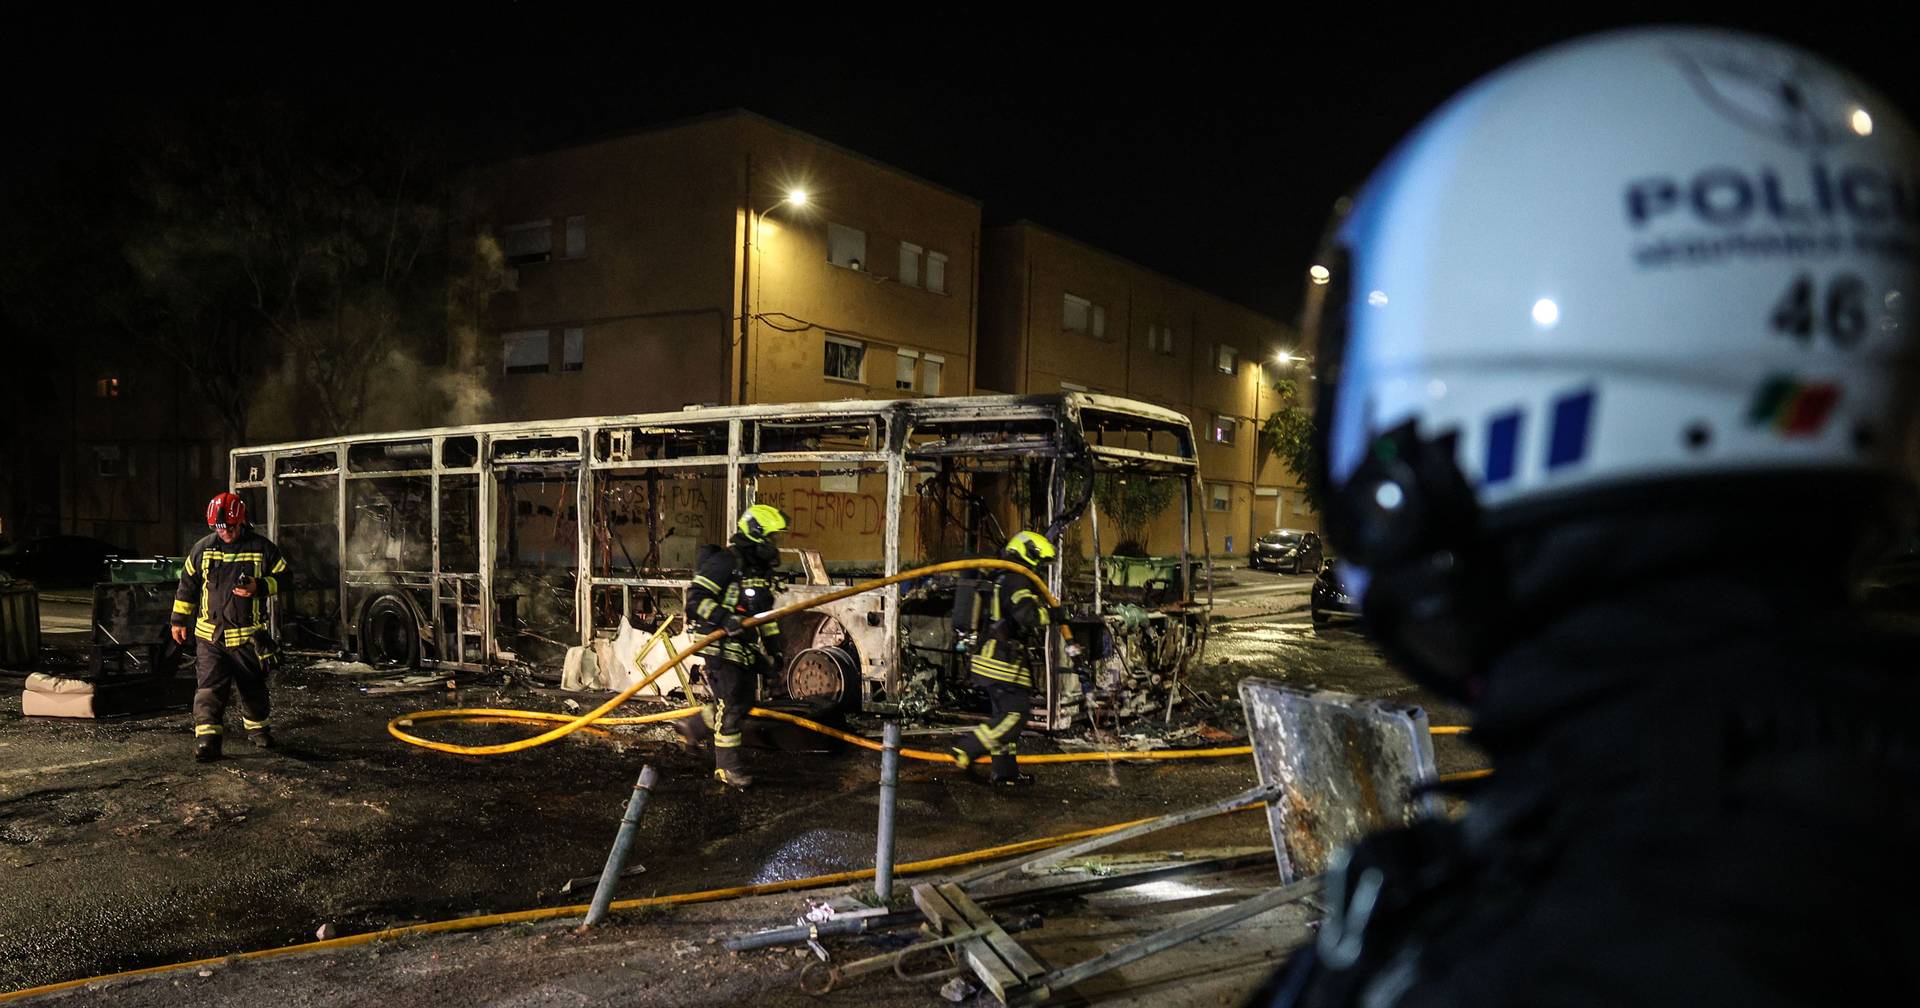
(285,237)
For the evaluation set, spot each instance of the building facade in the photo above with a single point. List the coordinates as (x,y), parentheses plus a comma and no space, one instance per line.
(101,440)
(669,269)
(1058,314)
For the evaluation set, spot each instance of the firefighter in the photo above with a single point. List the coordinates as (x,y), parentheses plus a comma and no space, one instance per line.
(224,587)
(1016,622)
(733,584)
(1603,333)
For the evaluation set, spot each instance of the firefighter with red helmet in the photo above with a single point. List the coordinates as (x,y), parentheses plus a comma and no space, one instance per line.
(222,598)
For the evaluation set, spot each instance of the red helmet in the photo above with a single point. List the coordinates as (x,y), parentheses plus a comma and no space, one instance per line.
(226,509)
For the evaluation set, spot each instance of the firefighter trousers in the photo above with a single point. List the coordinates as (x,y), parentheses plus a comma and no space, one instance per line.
(218,671)
(1000,736)
(735,688)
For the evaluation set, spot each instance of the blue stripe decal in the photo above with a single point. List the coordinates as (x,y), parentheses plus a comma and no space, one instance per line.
(1571,417)
(1503,442)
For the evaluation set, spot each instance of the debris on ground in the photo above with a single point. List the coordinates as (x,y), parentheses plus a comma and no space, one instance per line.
(585,881)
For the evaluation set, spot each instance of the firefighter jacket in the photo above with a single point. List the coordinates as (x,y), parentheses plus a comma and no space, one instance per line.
(735,581)
(205,598)
(1016,620)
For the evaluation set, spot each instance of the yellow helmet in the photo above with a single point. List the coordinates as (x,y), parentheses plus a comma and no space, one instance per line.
(761,521)
(1030,548)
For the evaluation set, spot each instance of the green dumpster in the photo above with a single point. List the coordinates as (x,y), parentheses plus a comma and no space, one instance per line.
(155,570)
(1161,573)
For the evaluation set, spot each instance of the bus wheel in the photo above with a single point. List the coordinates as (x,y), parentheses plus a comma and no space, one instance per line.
(389,634)
(828,675)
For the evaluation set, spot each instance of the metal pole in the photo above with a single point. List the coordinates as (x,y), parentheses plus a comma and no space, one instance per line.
(1054,855)
(622,843)
(889,777)
(1061,979)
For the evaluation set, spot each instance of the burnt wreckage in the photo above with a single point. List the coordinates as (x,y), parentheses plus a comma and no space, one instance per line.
(465,547)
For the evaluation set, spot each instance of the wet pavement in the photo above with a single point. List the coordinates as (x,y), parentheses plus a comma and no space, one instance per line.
(120,852)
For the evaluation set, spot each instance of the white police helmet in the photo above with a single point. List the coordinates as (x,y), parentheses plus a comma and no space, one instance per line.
(1643,256)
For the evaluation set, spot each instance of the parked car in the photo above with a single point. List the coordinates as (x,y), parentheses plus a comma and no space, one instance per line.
(1330,596)
(63,560)
(1291,550)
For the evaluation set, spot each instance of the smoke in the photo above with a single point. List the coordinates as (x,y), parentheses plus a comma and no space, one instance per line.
(403,393)
(406,393)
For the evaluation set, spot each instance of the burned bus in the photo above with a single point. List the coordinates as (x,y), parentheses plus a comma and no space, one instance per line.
(553,547)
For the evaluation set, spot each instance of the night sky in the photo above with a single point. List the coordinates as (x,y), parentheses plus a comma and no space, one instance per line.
(1208,147)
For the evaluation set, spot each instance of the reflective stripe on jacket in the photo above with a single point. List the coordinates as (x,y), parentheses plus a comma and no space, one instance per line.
(205,598)
(1016,617)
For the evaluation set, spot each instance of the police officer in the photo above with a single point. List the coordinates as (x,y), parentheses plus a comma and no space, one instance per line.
(224,586)
(1622,381)
(1016,623)
(734,584)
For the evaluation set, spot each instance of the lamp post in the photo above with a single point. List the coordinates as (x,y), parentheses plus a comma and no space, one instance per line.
(794,197)
(1283,358)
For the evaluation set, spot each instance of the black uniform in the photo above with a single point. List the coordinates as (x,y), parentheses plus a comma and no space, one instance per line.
(1706,791)
(733,584)
(235,649)
(1016,624)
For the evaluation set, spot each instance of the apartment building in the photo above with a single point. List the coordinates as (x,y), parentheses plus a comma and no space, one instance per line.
(729,259)
(1059,314)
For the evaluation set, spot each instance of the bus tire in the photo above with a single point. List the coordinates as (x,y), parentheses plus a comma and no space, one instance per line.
(389,633)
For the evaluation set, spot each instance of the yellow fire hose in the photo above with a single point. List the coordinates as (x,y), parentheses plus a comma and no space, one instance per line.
(548,913)
(599,715)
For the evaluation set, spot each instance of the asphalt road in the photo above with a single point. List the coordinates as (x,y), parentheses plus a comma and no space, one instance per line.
(119,852)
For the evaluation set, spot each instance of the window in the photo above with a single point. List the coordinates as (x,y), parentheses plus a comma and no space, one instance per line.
(531,242)
(1219,497)
(573,356)
(846,246)
(1223,429)
(910,263)
(525,351)
(576,237)
(937,272)
(1083,316)
(930,373)
(904,364)
(1160,338)
(1225,358)
(107,388)
(110,461)
(845,359)
(1073,313)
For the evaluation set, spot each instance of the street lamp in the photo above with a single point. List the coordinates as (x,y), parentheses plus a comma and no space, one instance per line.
(793,198)
(1283,358)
